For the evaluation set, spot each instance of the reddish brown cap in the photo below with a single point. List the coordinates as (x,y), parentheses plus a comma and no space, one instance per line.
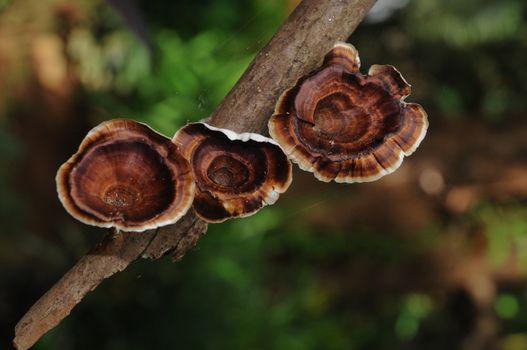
(345,126)
(126,175)
(236,174)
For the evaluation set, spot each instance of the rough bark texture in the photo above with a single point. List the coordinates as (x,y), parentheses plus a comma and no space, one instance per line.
(297,47)
(113,254)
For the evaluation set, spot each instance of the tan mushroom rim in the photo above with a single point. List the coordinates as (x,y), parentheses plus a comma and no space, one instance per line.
(345,126)
(126,176)
(236,174)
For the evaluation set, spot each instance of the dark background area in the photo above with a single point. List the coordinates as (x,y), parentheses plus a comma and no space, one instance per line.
(433,256)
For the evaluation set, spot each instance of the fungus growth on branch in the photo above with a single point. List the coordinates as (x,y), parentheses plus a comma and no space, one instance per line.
(345,126)
(236,174)
(127,176)
(291,53)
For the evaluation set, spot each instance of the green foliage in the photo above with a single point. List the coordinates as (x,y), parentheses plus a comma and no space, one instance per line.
(185,77)
(414,309)
(468,23)
(506,232)
(4,4)
(462,57)
(506,306)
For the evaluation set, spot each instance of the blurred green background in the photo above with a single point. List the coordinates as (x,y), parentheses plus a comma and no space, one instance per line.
(433,256)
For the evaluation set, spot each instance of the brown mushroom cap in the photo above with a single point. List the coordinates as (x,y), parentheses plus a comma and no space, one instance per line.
(236,174)
(126,175)
(345,126)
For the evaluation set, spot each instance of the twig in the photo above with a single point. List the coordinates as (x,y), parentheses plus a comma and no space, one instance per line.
(297,47)
(113,254)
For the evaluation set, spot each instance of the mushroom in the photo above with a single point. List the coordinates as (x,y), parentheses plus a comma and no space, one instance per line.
(236,174)
(127,176)
(345,126)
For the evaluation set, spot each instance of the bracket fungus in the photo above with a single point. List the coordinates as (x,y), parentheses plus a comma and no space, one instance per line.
(236,174)
(127,176)
(346,126)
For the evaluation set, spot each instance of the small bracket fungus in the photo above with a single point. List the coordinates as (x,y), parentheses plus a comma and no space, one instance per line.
(345,126)
(126,175)
(236,174)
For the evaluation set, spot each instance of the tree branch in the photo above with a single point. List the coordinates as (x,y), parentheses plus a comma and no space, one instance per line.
(297,47)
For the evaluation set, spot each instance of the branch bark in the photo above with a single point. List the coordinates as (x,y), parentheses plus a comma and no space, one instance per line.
(297,47)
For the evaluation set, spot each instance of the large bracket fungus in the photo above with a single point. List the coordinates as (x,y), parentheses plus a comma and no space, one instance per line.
(236,174)
(345,126)
(127,176)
